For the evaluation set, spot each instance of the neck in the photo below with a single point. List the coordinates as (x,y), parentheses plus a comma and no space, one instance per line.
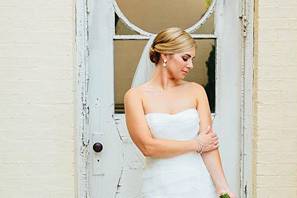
(162,79)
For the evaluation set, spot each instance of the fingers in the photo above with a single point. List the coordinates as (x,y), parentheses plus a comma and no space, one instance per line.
(213,135)
(216,145)
(212,146)
(206,149)
(209,139)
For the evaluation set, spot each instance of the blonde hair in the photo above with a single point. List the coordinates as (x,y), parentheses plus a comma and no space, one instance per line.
(169,41)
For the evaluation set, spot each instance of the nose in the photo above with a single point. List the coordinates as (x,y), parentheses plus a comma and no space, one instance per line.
(190,64)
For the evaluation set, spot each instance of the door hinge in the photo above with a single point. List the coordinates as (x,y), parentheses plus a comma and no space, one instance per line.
(244,24)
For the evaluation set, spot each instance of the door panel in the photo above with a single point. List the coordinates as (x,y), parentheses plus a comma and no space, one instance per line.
(116,170)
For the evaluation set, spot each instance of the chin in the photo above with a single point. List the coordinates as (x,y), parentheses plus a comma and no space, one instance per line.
(182,78)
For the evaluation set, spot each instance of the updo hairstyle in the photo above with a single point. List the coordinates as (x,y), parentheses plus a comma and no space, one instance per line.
(170,41)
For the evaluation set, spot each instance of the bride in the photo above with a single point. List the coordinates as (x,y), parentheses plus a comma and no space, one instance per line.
(169,120)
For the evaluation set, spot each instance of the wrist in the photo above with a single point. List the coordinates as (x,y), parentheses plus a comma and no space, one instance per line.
(197,145)
(222,190)
(194,145)
(222,186)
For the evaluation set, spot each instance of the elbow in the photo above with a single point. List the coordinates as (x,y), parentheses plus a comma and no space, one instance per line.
(146,153)
(148,149)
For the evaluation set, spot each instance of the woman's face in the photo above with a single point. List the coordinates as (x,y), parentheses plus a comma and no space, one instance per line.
(180,64)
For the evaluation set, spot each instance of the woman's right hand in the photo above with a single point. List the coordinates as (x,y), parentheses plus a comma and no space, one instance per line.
(207,141)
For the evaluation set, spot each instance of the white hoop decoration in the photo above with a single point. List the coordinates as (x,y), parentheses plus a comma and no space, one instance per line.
(128,23)
(207,14)
(135,28)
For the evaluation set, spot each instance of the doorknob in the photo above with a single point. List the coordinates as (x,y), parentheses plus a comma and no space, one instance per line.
(97,147)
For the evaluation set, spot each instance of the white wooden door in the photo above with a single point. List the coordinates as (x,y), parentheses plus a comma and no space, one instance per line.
(115,171)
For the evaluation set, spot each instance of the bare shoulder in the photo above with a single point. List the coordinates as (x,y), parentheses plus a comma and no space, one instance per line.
(133,94)
(133,99)
(195,85)
(197,88)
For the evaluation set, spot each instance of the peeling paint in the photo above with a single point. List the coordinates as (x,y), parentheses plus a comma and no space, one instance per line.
(82,106)
(116,124)
(119,183)
(247,80)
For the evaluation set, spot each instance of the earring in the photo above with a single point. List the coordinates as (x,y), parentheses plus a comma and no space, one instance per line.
(164,63)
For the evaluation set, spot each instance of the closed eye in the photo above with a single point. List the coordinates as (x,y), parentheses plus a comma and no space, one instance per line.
(185,59)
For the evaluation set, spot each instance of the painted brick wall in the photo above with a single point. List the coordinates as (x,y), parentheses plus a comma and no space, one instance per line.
(37,99)
(275,99)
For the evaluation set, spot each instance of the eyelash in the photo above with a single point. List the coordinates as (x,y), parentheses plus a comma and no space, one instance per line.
(185,59)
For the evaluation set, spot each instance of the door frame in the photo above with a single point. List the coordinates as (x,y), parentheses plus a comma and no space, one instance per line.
(81,99)
(246,107)
(83,138)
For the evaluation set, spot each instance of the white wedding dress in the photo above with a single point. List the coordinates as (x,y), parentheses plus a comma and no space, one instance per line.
(182,176)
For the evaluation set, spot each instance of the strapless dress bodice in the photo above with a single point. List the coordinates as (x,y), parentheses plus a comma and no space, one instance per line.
(181,176)
(183,125)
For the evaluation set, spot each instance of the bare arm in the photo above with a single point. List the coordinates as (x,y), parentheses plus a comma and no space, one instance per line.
(212,158)
(141,135)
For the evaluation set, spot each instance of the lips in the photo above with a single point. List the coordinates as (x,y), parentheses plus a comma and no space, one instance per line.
(185,72)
